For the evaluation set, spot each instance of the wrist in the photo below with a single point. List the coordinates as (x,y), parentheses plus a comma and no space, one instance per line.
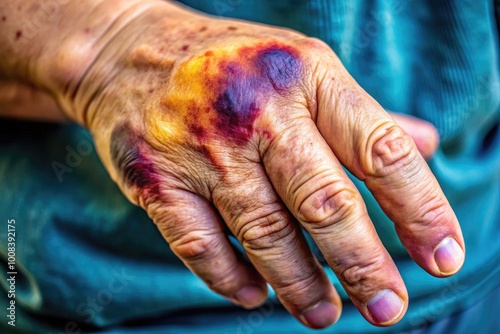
(79,46)
(92,55)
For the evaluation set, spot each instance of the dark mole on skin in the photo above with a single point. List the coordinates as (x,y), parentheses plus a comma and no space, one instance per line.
(4,18)
(128,157)
(19,33)
(185,47)
(274,68)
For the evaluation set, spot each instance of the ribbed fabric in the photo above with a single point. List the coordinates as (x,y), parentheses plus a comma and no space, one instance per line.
(437,60)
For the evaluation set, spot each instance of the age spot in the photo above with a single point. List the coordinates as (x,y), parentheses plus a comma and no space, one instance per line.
(19,34)
(185,47)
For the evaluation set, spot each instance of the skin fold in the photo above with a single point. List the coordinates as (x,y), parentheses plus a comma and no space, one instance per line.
(209,124)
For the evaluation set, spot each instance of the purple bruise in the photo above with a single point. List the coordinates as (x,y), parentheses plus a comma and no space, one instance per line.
(280,66)
(274,69)
(237,110)
(136,169)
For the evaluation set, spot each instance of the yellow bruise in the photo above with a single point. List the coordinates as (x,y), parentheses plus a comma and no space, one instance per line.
(189,98)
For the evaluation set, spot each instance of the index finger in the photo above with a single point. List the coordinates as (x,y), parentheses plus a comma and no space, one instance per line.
(377,151)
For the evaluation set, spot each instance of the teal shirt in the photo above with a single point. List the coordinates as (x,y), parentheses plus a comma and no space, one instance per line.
(88,256)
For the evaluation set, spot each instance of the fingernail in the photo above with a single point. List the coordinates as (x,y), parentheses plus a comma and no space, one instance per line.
(428,147)
(449,256)
(250,296)
(321,315)
(385,307)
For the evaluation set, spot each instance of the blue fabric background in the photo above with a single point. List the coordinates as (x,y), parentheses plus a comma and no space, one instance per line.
(93,261)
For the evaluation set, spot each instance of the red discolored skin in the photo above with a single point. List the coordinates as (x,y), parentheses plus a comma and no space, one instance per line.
(221,93)
(213,98)
(129,159)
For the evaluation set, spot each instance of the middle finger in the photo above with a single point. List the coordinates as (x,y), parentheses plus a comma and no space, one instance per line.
(311,182)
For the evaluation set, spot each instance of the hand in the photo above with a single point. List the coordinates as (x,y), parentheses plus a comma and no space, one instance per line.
(209,123)
(24,101)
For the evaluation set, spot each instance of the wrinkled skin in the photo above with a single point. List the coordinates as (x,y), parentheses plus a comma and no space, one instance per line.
(247,127)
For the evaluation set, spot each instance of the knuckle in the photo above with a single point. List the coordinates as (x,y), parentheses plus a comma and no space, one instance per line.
(267,231)
(391,149)
(361,274)
(299,289)
(349,98)
(315,43)
(435,213)
(224,283)
(195,245)
(330,204)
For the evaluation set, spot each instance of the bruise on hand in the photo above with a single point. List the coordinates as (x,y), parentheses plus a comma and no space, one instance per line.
(219,95)
(129,158)
(216,96)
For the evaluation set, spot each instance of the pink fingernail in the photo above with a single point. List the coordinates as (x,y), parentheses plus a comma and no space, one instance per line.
(321,315)
(250,296)
(449,256)
(385,307)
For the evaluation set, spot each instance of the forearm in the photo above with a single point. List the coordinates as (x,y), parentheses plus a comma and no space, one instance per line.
(53,45)
(26,102)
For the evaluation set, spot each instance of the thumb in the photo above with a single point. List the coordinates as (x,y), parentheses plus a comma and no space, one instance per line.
(424,134)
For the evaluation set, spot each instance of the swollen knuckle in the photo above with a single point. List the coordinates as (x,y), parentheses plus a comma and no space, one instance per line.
(391,149)
(330,204)
(266,231)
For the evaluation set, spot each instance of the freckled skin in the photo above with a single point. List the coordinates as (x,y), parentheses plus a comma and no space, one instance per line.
(128,157)
(220,94)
